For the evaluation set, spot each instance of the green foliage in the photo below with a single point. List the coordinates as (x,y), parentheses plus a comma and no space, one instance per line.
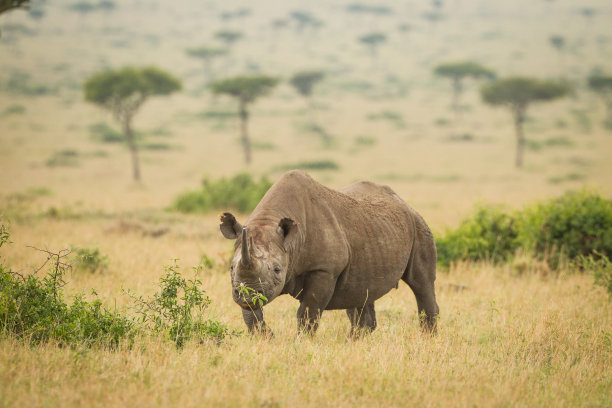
(574,225)
(88,260)
(304,81)
(34,309)
(600,83)
(488,235)
(246,88)
(310,165)
(557,41)
(6,5)
(369,9)
(14,109)
(115,89)
(103,133)
(228,36)
(520,91)
(176,310)
(463,69)
(250,294)
(22,83)
(241,192)
(601,269)
(64,158)
(206,53)
(373,39)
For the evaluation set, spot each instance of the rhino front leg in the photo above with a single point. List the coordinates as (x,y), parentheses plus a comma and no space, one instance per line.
(363,319)
(255,321)
(318,290)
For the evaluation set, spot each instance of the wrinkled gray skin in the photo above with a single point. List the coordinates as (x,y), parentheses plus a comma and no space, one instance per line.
(331,249)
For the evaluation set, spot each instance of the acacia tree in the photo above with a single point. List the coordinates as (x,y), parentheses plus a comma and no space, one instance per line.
(228,37)
(372,41)
(457,72)
(304,81)
(602,85)
(246,89)
(123,92)
(207,54)
(6,5)
(517,93)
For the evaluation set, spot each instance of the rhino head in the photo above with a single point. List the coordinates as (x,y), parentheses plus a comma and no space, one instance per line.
(261,260)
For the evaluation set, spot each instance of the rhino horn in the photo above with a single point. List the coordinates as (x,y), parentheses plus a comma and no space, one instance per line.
(246,258)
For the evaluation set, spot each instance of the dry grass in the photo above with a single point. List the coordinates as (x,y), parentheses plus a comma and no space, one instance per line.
(516,335)
(508,336)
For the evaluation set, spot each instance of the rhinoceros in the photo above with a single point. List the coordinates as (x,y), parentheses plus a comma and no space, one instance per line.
(330,249)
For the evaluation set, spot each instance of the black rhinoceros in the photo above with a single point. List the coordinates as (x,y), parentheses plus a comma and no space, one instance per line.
(330,249)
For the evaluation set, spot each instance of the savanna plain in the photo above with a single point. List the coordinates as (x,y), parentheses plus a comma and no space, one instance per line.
(516,333)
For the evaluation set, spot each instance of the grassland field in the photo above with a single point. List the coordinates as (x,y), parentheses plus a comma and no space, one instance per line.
(509,335)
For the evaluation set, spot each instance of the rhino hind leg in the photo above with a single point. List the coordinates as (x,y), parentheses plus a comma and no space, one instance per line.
(420,275)
(363,319)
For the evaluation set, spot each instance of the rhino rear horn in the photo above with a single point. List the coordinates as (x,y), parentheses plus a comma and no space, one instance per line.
(246,256)
(230,228)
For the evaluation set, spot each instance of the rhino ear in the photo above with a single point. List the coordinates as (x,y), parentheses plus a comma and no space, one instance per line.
(230,228)
(287,226)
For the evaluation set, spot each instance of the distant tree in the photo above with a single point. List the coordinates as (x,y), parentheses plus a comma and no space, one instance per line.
(517,93)
(302,19)
(6,5)
(228,37)
(246,89)
(207,54)
(457,72)
(368,9)
(304,81)
(602,85)
(372,41)
(558,43)
(123,92)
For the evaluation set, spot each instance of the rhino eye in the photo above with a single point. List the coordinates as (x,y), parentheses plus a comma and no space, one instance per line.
(277,269)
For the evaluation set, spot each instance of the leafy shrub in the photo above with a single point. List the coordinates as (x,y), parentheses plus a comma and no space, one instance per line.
(311,165)
(34,309)
(103,133)
(176,311)
(241,192)
(22,83)
(64,158)
(14,109)
(489,235)
(601,269)
(89,260)
(575,224)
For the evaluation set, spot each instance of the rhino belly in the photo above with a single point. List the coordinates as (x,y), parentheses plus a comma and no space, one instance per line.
(362,288)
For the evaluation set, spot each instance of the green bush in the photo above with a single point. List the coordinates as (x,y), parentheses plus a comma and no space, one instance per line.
(601,269)
(176,311)
(323,164)
(241,192)
(34,309)
(573,225)
(489,235)
(89,260)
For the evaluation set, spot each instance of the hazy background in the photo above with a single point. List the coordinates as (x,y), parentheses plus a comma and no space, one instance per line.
(387,119)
